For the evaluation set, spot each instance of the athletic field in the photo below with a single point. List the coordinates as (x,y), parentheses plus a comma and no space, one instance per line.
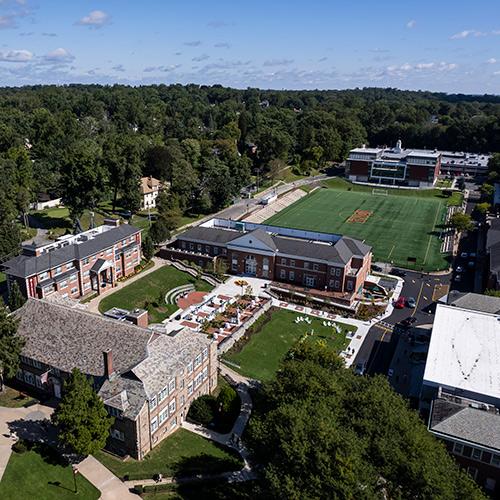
(397,226)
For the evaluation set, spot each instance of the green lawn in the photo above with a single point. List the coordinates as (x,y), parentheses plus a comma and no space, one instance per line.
(30,476)
(149,293)
(260,358)
(12,398)
(181,454)
(405,223)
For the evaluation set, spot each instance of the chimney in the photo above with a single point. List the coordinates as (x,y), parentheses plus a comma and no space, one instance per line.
(108,363)
(110,221)
(138,317)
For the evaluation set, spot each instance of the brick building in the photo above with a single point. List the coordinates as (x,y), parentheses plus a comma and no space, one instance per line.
(394,166)
(317,261)
(147,380)
(75,265)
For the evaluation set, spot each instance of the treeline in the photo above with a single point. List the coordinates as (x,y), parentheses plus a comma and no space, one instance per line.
(89,143)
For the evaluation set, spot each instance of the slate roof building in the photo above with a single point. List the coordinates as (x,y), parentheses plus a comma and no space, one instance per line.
(77,265)
(314,262)
(461,386)
(147,380)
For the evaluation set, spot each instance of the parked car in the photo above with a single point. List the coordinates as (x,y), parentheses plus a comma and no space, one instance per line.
(464,255)
(360,368)
(472,255)
(377,269)
(458,278)
(411,302)
(459,269)
(400,303)
(398,272)
(409,321)
(471,264)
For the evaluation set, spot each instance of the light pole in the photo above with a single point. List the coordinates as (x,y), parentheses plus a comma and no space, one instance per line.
(75,472)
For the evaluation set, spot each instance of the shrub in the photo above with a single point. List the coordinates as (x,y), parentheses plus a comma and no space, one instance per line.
(20,446)
(202,410)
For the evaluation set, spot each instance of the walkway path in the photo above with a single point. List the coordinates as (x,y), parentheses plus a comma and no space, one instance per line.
(10,415)
(93,305)
(104,480)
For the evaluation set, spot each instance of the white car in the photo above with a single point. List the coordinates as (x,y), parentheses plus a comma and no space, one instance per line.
(459,269)
(458,278)
(464,255)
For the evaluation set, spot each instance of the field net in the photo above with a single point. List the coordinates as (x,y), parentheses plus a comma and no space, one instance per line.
(380,192)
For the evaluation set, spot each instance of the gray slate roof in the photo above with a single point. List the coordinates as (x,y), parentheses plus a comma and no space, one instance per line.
(474,302)
(26,265)
(341,252)
(468,424)
(168,356)
(68,338)
(135,395)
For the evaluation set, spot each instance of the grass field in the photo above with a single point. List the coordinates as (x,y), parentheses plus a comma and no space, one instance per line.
(405,223)
(260,358)
(149,293)
(30,475)
(181,454)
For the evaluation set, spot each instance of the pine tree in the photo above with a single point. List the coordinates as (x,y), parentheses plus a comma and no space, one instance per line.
(83,421)
(16,298)
(10,346)
(148,248)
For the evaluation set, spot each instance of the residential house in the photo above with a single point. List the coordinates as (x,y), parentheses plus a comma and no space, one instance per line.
(150,189)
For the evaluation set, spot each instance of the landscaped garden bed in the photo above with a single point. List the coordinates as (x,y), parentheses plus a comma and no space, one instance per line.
(259,353)
(149,293)
(181,454)
(12,398)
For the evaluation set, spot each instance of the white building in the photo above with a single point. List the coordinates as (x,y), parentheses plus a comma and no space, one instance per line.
(464,356)
(150,189)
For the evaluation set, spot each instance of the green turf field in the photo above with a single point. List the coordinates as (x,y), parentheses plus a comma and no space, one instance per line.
(399,226)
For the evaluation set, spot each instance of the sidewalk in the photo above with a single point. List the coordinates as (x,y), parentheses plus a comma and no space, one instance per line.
(93,305)
(105,481)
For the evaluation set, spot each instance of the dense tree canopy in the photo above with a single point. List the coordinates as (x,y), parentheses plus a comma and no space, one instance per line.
(89,143)
(10,345)
(322,432)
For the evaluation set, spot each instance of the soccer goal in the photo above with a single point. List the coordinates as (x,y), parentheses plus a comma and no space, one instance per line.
(380,192)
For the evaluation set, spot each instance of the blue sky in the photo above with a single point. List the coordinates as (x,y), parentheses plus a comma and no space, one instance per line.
(443,45)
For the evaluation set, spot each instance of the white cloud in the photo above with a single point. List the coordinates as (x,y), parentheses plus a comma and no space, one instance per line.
(7,22)
(491,60)
(96,19)
(18,56)
(194,43)
(411,24)
(222,45)
(496,72)
(59,55)
(203,57)
(119,67)
(473,33)
(407,68)
(278,62)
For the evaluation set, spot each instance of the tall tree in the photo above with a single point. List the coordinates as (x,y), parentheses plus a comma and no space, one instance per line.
(320,431)
(81,417)
(461,222)
(10,346)
(16,298)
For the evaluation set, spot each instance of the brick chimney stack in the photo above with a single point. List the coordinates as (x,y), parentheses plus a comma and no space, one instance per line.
(108,363)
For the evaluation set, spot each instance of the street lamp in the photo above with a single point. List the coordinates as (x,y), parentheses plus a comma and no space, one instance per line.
(75,472)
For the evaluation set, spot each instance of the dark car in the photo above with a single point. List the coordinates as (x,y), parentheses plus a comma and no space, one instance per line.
(377,269)
(398,272)
(409,321)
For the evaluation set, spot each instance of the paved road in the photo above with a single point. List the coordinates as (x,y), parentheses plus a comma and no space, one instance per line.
(380,343)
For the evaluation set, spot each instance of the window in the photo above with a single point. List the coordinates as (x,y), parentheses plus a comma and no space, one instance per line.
(197,360)
(291,275)
(332,270)
(58,270)
(73,278)
(162,394)
(350,285)
(183,400)
(152,403)
(86,274)
(43,276)
(476,454)
(495,460)
(63,284)
(198,247)
(292,263)
(124,242)
(173,423)
(171,386)
(490,484)
(163,415)
(154,424)
(283,274)
(205,353)
(190,388)
(182,383)
(183,244)
(306,265)
(116,434)
(37,364)
(191,246)
(38,382)
(171,407)
(117,256)
(198,380)
(207,249)
(190,367)
(315,267)
(338,271)
(205,372)
(472,471)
